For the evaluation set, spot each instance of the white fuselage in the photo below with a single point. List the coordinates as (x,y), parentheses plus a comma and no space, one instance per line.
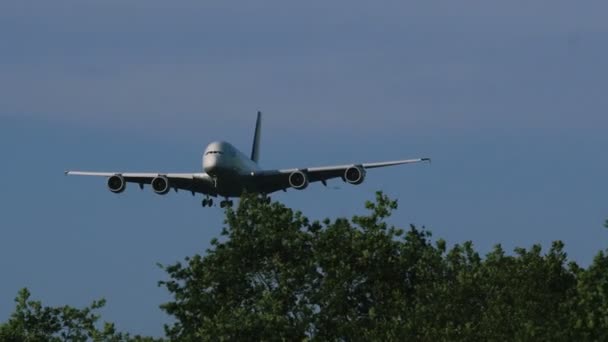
(222,161)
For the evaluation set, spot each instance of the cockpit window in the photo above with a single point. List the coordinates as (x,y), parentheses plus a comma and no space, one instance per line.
(214,152)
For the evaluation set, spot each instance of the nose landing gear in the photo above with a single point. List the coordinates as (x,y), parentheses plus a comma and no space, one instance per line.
(207,202)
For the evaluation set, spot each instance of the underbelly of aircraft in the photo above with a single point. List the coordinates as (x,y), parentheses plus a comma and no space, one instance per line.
(228,183)
(235,185)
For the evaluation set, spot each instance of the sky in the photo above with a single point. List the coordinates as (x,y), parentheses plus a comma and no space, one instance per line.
(507,97)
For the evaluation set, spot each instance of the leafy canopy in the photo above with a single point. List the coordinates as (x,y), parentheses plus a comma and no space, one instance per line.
(33,322)
(275,275)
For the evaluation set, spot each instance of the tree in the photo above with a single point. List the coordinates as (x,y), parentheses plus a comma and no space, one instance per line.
(31,321)
(273,274)
(590,306)
(254,285)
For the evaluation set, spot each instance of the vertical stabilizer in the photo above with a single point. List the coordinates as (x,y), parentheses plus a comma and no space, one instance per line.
(255,150)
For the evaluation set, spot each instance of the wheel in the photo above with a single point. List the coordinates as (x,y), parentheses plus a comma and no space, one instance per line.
(230,203)
(210,202)
(222,204)
(204,202)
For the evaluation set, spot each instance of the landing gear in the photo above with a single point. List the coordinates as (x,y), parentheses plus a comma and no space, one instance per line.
(226,203)
(207,202)
(265,199)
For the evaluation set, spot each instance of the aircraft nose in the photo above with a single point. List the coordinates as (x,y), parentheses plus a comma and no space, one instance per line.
(210,163)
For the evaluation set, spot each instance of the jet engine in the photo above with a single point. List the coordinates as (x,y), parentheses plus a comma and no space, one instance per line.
(160,185)
(298,180)
(117,184)
(354,175)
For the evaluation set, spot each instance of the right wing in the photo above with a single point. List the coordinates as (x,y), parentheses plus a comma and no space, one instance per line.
(193,182)
(272,180)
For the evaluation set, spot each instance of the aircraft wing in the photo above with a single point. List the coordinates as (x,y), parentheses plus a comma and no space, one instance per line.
(273,180)
(194,182)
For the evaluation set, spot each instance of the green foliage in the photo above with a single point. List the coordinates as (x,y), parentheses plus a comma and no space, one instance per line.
(255,285)
(33,322)
(591,305)
(274,275)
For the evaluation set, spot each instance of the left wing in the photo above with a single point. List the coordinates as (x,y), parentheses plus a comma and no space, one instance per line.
(194,182)
(268,181)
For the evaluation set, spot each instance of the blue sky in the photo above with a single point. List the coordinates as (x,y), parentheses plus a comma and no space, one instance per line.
(508,98)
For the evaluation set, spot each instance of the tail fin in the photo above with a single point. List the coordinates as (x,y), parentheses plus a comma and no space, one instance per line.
(255,150)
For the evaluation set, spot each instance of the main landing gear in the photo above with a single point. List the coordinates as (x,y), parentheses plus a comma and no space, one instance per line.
(265,199)
(226,203)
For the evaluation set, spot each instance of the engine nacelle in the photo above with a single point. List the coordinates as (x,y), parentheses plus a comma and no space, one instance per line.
(298,180)
(354,175)
(117,184)
(160,185)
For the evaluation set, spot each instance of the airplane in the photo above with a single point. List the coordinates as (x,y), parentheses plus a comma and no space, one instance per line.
(228,172)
